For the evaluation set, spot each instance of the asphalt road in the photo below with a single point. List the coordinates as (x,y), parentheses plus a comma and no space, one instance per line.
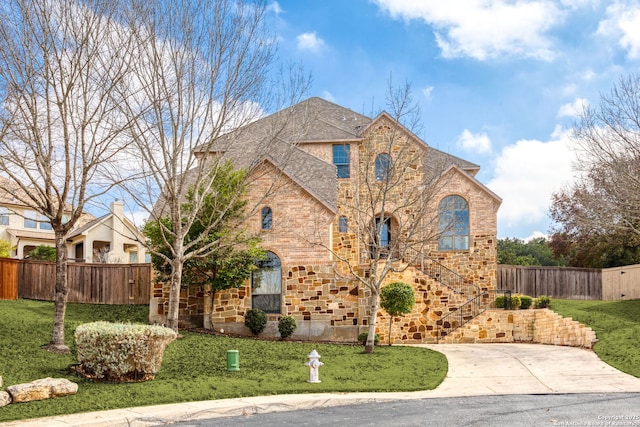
(597,409)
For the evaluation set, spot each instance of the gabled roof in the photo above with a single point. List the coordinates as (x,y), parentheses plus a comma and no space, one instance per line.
(86,227)
(275,138)
(473,180)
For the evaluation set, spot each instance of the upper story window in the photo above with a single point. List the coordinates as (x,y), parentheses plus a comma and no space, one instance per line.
(30,219)
(34,220)
(4,216)
(383,166)
(342,224)
(267,218)
(453,224)
(341,160)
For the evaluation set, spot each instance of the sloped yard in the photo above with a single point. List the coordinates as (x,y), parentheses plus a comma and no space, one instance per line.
(194,367)
(617,326)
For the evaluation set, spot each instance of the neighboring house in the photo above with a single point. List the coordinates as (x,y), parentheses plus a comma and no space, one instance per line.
(112,238)
(20,225)
(303,178)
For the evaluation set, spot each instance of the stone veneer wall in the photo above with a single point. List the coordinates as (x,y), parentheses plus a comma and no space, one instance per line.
(541,326)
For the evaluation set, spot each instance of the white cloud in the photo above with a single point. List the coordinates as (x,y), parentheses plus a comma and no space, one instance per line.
(478,143)
(527,173)
(275,7)
(427,91)
(573,109)
(623,23)
(310,42)
(535,235)
(485,29)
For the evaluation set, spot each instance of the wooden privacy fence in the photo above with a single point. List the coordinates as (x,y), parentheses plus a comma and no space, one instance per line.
(557,282)
(8,278)
(87,283)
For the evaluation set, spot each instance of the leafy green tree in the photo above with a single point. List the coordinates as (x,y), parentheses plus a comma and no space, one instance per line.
(5,249)
(43,253)
(230,250)
(513,251)
(397,298)
(597,250)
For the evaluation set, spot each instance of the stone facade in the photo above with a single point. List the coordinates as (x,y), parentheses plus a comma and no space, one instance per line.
(317,254)
(540,326)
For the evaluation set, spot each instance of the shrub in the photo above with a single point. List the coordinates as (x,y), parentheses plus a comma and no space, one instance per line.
(516,302)
(525,302)
(287,326)
(256,320)
(121,352)
(543,301)
(362,338)
(43,253)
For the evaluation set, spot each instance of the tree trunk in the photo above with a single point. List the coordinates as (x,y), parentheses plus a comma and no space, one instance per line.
(57,339)
(368,348)
(174,294)
(390,325)
(207,305)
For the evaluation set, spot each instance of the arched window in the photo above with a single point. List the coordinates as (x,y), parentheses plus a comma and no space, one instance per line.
(383,166)
(267,218)
(266,284)
(453,224)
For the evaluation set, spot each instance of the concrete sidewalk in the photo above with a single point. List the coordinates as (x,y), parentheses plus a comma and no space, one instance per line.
(474,369)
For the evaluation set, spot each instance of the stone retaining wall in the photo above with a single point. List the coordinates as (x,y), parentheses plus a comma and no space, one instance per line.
(541,326)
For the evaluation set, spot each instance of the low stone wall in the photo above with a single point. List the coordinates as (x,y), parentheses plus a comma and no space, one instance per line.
(541,326)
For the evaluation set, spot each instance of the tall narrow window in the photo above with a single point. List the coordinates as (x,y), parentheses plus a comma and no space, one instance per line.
(453,224)
(383,166)
(341,160)
(266,284)
(267,218)
(4,216)
(384,232)
(342,224)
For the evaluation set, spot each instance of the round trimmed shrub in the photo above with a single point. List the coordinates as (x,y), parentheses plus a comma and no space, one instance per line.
(525,302)
(287,326)
(543,301)
(120,352)
(256,320)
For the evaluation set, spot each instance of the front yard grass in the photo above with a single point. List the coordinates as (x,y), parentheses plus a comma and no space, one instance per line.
(617,327)
(194,367)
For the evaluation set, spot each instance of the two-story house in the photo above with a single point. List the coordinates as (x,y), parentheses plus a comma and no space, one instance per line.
(327,183)
(110,238)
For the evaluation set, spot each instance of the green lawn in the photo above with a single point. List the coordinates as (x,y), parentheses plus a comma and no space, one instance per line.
(617,326)
(194,367)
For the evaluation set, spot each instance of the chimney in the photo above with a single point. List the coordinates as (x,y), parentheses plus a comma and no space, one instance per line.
(117,208)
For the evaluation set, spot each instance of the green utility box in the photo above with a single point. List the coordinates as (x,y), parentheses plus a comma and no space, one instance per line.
(233,360)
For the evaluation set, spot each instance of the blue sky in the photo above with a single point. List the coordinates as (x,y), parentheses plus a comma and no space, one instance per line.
(498,81)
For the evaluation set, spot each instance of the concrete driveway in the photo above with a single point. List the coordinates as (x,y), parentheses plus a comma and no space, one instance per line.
(474,370)
(485,369)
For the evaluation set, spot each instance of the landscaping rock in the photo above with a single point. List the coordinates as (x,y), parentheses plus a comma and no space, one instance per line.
(5,398)
(42,389)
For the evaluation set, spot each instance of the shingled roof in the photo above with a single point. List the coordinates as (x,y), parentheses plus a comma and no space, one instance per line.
(277,137)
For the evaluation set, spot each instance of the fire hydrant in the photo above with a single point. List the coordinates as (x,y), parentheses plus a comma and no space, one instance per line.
(313,365)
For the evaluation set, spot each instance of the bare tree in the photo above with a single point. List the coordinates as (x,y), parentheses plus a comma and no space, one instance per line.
(605,198)
(391,216)
(203,69)
(60,134)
